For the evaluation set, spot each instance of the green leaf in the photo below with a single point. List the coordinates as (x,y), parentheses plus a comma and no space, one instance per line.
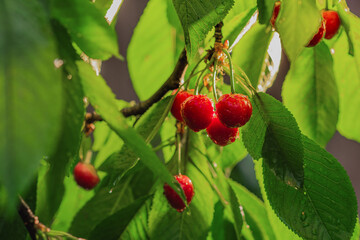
(138,227)
(103,5)
(109,200)
(113,226)
(106,141)
(198,18)
(326,207)
(232,154)
(311,94)
(254,208)
(112,145)
(12,225)
(272,133)
(152,51)
(297,23)
(251,51)
(103,100)
(235,209)
(147,127)
(235,22)
(237,18)
(74,199)
(50,186)
(356,234)
(351,24)
(167,133)
(104,203)
(101,135)
(266,8)
(166,223)
(31,92)
(347,77)
(87,27)
(221,228)
(280,230)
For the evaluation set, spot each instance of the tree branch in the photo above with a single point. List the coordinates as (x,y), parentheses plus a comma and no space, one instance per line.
(31,221)
(34,226)
(218,33)
(171,83)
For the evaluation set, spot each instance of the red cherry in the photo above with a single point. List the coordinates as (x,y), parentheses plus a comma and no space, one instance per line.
(197,112)
(234,110)
(318,36)
(220,134)
(332,23)
(275,13)
(176,107)
(85,175)
(173,198)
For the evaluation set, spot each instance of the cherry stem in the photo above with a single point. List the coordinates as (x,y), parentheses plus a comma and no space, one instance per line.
(179,151)
(163,145)
(193,71)
(214,81)
(241,81)
(197,84)
(232,80)
(88,157)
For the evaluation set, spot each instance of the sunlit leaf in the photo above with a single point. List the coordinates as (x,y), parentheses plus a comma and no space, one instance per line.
(198,18)
(311,94)
(297,23)
(87,27)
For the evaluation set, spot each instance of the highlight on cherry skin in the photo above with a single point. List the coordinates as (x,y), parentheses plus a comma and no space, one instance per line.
(221,134)
(173,198)
(197,112)
(178,101)
(234,110)
(85,175)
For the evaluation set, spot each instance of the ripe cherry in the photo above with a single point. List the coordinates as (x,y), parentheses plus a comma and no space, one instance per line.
(197,112)
(318,36)
(173,198)
(176,107)
(85,175)
(332,23)
(234,110)
(275,13)
(220,134)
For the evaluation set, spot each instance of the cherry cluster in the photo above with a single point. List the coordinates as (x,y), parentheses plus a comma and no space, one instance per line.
(197,112)
(329,26)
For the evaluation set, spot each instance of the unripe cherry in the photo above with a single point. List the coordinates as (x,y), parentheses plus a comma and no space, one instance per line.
(197,112)
(85,175)
(220,134)
(173,198)
(234,110)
